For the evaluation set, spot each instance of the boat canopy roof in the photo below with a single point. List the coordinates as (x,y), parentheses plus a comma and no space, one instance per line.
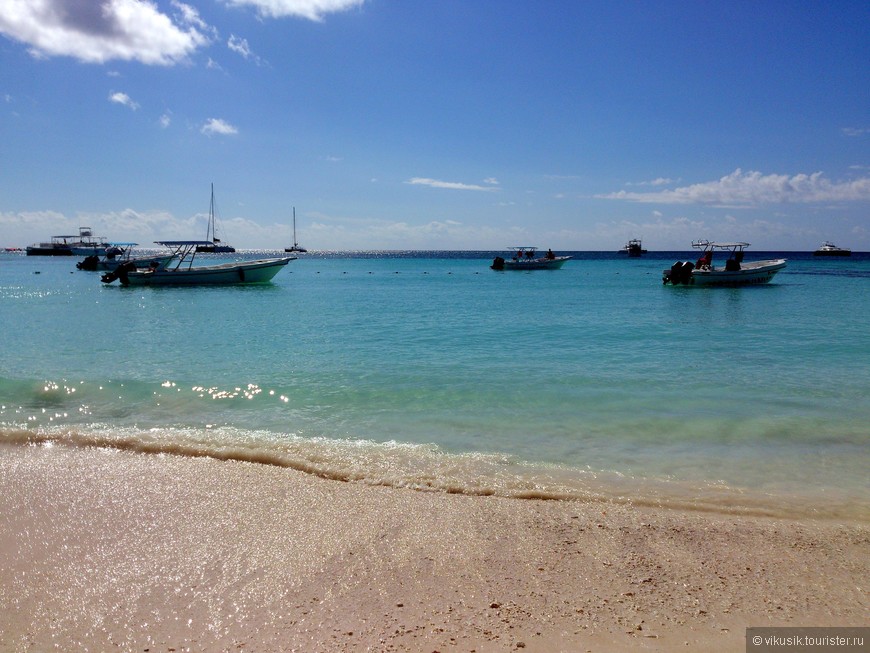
(706,244)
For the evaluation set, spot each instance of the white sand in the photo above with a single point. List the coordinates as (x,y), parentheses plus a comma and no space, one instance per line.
(113,551)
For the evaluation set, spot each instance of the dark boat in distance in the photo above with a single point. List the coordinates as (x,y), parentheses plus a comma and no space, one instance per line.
(633,248)
(214,245)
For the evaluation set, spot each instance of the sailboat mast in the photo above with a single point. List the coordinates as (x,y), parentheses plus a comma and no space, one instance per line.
(295,244)
(209,232)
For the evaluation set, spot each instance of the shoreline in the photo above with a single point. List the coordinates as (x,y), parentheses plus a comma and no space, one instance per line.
(412,467)
(107,549)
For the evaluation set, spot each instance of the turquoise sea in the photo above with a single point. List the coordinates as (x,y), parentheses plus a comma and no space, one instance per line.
(428,370)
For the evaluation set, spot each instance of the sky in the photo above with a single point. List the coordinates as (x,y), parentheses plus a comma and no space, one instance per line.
(437,124)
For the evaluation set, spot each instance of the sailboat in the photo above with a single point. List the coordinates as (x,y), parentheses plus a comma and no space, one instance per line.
(296,246)
(214,245)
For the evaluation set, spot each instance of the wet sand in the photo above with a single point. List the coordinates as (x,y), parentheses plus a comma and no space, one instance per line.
(115,551)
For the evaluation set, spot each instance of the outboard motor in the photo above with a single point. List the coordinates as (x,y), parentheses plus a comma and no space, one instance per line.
(88,263)
(686,272)
(497,263)
(681,272)
(119,272)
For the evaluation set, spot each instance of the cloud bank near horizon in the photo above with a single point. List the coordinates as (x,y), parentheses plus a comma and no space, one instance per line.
(748,189)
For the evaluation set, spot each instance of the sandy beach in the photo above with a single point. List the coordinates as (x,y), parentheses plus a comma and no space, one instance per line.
(104,550)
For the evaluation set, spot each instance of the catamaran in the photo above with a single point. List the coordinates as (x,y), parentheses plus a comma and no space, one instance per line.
(296,246)
(213,245)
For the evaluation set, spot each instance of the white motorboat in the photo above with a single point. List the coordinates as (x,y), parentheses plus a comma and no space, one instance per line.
(526,258)
(181,271)
(829,249)
(735,272)
(121,254)
(83,244)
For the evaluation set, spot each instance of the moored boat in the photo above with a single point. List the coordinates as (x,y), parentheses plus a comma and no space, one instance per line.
(735,272)
(526,258)
(83,244)
(213,244)
(828,248)
(633,248)
(296,246)
(181,271)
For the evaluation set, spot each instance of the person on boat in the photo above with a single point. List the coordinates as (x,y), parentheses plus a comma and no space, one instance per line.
(530,254)
(706,259)
(550,254)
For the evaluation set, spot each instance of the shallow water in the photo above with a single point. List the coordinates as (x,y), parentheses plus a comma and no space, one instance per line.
(430,370)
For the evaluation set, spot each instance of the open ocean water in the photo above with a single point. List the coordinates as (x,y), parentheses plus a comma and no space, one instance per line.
(428,370)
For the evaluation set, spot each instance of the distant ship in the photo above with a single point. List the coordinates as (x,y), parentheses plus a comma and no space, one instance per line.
(84,244)
(296,246)
(829,249)
(633,248)
(215,246)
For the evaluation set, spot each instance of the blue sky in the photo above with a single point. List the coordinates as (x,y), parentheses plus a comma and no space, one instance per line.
(447,124)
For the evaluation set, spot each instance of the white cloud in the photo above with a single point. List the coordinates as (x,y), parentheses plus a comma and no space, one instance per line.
(660,181)
(188,15)
(240,46)
(165,120)
(740,189)
(454,185)
(218,126)
(855,131)
(491,180)
(310,9)
(97,32)
(123,99)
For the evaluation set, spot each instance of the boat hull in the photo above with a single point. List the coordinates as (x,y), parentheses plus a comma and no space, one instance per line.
(837,252)
(216,249)
(749,274)
(245,272)
(48,250)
